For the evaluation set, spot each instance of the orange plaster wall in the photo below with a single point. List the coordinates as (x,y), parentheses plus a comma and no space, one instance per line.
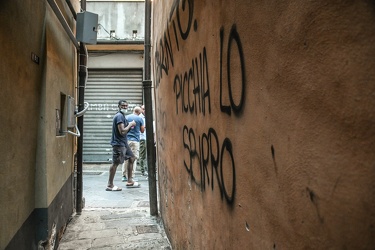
(265,114)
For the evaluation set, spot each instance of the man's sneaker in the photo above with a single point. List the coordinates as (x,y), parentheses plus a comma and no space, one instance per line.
(124,178)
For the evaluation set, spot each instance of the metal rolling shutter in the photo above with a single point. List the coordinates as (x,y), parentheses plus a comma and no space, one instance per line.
(104,88)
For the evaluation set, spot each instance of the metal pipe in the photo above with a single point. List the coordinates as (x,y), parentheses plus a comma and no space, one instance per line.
(81,106)
(72,9)
(147,86)
(63,22)
(83,5)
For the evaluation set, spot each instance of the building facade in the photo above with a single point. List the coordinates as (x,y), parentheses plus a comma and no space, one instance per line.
(39,92)
(41,86)
(115,68)
(265,116)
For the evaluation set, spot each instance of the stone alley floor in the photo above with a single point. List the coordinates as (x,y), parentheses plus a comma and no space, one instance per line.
(113,219)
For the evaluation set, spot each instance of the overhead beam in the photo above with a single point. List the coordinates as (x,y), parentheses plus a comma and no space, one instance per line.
(115,47)
(63,22)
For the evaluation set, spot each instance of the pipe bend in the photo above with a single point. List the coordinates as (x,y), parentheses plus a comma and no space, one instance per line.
(82,112)
(78,134)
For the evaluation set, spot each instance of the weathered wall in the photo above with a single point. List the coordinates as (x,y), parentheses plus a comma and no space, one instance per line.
(20,84)
(265,117)
(36,165)
(61,77)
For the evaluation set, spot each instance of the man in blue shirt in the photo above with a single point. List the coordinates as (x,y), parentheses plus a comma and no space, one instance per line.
(142,146)
(120,148)
(133,137)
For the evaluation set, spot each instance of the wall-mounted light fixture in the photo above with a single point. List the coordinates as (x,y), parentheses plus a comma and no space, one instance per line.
(134,36)
(112,34)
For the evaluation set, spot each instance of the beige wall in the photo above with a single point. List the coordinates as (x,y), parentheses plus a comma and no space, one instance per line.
(35,164)
(265,117)
(60,78)
(20,81)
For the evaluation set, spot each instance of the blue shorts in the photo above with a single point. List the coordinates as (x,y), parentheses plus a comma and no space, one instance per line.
(120,154)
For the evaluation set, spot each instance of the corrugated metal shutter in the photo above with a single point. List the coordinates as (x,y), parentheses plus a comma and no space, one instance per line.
(104,89)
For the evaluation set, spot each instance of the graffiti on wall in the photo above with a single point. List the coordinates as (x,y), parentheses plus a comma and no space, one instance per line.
(178,29)
(192,87)
(110,107)
(204,151)
(207,148)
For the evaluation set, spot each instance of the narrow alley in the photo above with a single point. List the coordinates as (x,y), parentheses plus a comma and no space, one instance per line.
(259,119)
(113,219)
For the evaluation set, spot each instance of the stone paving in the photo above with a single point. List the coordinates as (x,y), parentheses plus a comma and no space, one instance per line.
(113,219)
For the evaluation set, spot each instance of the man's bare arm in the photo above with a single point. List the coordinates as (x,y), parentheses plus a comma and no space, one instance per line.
(123,130)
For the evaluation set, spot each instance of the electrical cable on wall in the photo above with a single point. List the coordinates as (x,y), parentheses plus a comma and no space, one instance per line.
(111,34)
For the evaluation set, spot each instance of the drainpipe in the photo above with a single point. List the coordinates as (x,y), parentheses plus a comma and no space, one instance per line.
(147,86)
(72,9)
(63,22)
(81,105)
